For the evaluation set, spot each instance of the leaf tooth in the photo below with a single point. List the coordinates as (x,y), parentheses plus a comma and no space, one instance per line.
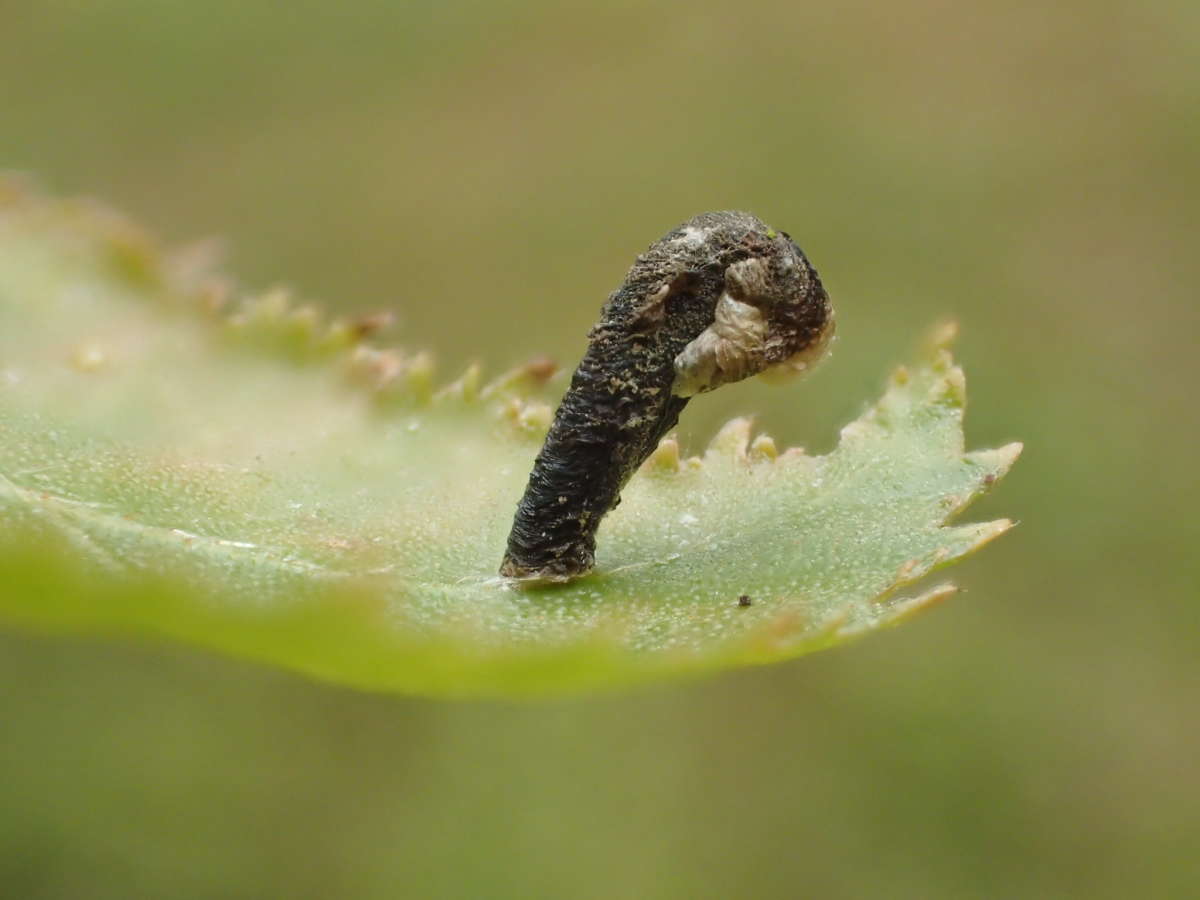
(465,388)
(992,465)
(951,387)
(536,416)
(369,324)
(191,265)
(887,610)
(527,417)
(732,440)
(918,567)
(419,377)
(300,325)
(338,336)
(972,536)
(763,448)
(895,404)
(665,457)
(939,339)
(131,250)
(275,322)
(906,607)
(342,333)
(522,380)
(939,382)
(213,295)
(375,368)
(271,305)
(257,313)
(909,570)
(859,430)
(393,379)
(997,461)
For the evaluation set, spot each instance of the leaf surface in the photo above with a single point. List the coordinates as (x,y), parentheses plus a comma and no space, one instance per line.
(247,476)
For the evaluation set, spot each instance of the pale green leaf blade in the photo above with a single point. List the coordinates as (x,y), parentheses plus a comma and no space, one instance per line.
(261,482)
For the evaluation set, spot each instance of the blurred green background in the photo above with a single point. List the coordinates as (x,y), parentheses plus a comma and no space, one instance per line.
(490,170)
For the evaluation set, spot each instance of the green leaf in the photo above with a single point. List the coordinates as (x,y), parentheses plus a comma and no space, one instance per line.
(247,476)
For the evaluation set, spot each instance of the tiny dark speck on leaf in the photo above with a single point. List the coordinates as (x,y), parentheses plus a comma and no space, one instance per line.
(744,600)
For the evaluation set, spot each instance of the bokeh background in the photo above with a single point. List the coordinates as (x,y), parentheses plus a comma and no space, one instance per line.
(490,170)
